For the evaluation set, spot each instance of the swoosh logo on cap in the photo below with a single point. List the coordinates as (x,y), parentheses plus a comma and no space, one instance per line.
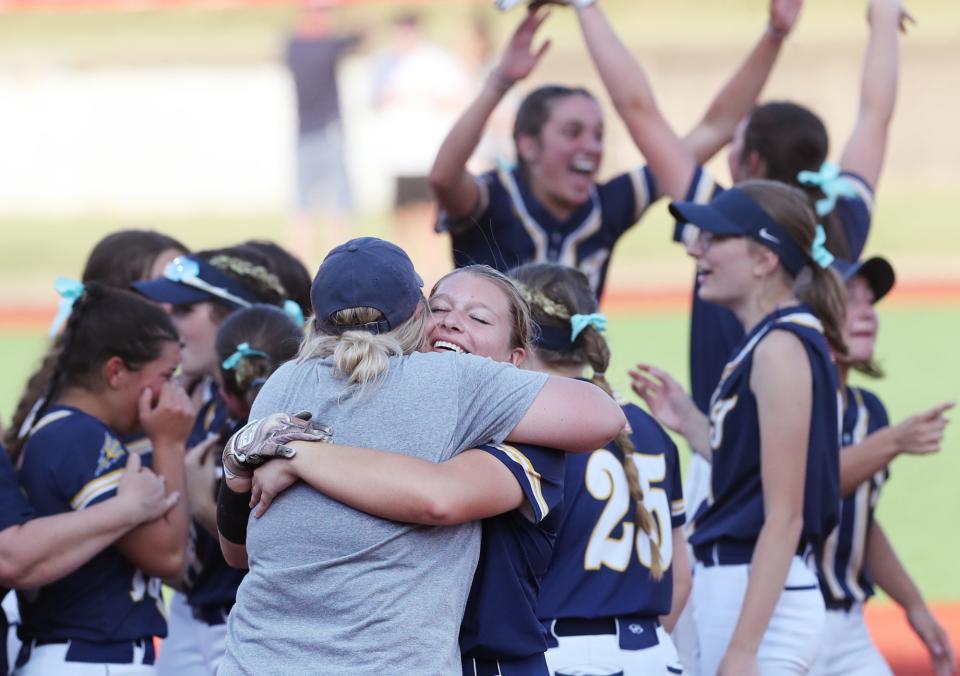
(765,234)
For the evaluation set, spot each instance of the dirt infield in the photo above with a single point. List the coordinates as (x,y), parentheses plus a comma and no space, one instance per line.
(903,650)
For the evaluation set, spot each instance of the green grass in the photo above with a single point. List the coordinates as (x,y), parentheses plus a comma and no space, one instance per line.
(919,505)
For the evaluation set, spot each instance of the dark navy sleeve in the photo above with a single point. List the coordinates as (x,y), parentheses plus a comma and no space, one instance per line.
(625,198)
(72,465)
(678,512)
(855,214)
(703,188)
(14,507)
(539,471)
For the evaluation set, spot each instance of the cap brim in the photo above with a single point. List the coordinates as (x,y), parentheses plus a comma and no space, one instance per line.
(705,217)
(877,271)
(879,274)
(164,291)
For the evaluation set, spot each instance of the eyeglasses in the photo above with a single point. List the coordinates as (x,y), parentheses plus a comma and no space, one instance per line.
(705,239)
(186,271)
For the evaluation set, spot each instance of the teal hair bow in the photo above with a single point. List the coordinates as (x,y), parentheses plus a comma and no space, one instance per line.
(69,290)
(294,311)
(831,184)
(580,322)
(243,350)
(818,251)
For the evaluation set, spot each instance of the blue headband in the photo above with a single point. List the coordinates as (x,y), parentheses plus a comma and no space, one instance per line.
(70,291)
(831,183)
(294,311)
(560,339)
(243,350)
(579,322)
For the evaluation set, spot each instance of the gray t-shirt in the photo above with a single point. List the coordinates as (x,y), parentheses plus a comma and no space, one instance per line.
(332,590)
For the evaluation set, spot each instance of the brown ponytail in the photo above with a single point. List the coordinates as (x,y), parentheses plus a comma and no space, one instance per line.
(818,287)
(555,293)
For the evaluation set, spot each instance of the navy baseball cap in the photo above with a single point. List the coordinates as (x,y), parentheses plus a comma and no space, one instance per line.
(189,279)
(366,272)
(733,214)
(877,271)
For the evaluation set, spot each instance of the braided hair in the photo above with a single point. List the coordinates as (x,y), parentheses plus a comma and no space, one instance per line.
(104,323)
(555,293)
(272,337)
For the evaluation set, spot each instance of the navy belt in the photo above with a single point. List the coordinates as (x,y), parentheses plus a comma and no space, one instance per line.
(79,650)
(731,552)
(581,626)
(843,604)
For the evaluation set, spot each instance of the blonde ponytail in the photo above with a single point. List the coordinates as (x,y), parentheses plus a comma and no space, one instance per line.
(360,357)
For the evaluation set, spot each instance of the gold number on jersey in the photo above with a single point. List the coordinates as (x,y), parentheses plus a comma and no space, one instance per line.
(606,481)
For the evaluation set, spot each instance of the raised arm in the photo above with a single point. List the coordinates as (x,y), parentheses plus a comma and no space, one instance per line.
(920,434)
(784,414)
(48,548)
(867,145)
(671,161)
(455,189)
(473,485)
(739,94)
(158,548)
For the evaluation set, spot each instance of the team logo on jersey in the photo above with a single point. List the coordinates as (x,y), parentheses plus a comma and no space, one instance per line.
(110,452)
(718,413)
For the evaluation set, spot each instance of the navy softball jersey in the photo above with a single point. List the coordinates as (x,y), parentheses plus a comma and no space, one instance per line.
(72,461)
(510,227)
(211,583)
(601,562)
(14,511)
(728,524)
(844,577)
(714,331)
(500,619)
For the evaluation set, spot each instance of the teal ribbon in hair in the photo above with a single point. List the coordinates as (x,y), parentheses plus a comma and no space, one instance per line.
(818,250)
(294,311)
(243,350)
(579,322)
(831,184)
(69,290)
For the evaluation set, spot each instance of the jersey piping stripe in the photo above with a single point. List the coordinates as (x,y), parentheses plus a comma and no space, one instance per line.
(862,501)
(536,232)
(591,225)
(140,446)
(96,488)
(50,418)
(676,507)
(863,190)
(641,192)
(533,478)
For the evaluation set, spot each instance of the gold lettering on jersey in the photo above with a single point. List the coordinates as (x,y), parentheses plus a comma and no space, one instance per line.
(718,413)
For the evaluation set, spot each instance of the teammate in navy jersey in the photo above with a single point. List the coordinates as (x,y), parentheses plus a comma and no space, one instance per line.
(112,377)
(777,141)
(37,551)
(611,576)
(204,290)
(251,343)
(550,207)
(858,554)
(772,433)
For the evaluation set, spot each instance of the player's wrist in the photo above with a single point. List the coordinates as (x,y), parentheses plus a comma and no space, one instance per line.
(499,82)
(775,35)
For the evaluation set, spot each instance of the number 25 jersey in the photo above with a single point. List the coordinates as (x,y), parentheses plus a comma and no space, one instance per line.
(601,560)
